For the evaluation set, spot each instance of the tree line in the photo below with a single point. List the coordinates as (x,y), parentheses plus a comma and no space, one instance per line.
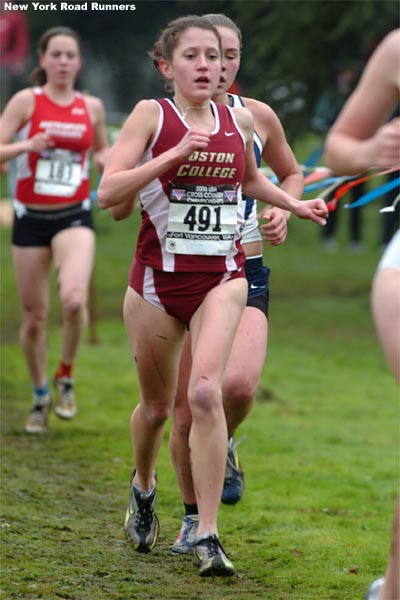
(292,49)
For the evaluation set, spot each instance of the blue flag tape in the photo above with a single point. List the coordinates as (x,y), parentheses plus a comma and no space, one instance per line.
(376,193)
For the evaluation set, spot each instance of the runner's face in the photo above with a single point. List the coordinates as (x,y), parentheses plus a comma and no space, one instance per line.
(196,64)
(61,60)
(230,58)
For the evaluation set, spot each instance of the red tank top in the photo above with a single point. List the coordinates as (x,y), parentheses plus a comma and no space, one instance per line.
(191,214)
(59,174)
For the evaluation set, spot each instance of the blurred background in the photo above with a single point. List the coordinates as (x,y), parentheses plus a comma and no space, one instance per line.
(302,57)
(299,56)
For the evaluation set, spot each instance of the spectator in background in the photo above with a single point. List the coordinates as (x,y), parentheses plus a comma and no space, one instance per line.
(14,51)
(325,113)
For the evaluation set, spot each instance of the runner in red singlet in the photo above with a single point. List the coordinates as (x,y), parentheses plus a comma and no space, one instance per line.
(54,127)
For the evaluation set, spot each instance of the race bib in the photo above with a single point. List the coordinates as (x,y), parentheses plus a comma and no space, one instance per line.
(202,219)
(58,173)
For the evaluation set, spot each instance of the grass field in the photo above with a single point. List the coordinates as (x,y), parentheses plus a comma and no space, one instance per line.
(320,458)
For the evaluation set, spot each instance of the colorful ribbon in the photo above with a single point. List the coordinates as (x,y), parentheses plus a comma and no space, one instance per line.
(376,193)
(318,174)
(317,178)
(322,184)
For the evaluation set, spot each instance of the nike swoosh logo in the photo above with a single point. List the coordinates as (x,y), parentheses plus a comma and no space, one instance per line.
(255,287)
(229,133)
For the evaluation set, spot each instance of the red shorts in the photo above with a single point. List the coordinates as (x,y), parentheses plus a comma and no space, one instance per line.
(180,293)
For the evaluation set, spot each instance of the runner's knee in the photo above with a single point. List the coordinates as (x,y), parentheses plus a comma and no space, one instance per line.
(239,391)
(33,323)
(156,415)
(205,400)
(73,301)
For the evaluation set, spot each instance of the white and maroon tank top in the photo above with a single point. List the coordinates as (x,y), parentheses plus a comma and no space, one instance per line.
(192,214)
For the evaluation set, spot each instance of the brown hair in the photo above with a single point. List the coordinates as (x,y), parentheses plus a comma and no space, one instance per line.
(38,75)
(220,20)
(169,37)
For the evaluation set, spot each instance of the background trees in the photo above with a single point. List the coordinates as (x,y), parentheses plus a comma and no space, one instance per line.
(292,49)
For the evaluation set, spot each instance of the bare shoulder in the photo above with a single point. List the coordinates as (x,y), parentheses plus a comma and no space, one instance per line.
(389,55)
(150,107)
(392,41)
(23,98)
(144,109)
(142,121)
(93,102)
(26,93)
(384,62)
(245,121)
(95,107)
(260,110)
(266,121)
(244,117)
(20,106)
(144,115)
(135,136)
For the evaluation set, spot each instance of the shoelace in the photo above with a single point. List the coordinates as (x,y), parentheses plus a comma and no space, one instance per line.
(190,530)
(231,453)
(144,515)
(212,545)
(240,440)
(67,391)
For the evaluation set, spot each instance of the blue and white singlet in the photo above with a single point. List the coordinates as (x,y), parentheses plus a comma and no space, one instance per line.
(250,231)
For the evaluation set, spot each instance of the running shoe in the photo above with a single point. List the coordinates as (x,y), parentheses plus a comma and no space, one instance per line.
(65,406)
(141,524)
(374,589)
(37,419)
(210,557)
(187,535)
(234,476)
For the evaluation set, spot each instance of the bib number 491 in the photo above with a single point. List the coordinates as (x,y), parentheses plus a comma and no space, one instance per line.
(201,218)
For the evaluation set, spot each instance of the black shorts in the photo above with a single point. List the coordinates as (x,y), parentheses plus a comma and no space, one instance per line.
(38,227)
(257,276)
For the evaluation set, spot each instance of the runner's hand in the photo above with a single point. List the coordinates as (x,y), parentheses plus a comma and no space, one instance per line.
(194,139)
(39,142)
(315,210)
(274,229)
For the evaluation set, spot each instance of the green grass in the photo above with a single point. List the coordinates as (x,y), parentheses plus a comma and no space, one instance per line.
(321,455)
